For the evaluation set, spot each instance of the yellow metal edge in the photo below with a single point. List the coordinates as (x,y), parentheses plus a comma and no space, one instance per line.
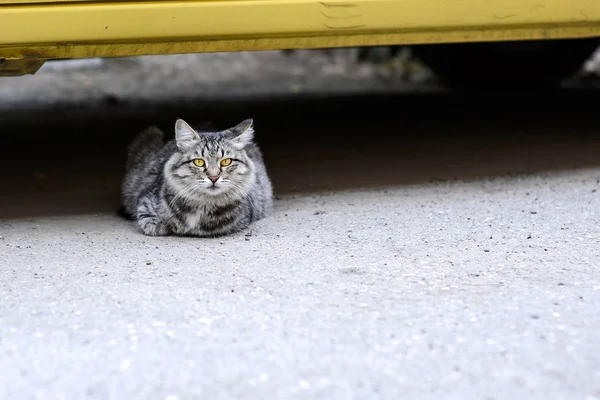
(20,66)
(39,2)
(122,49)
(25,2)
(201,20)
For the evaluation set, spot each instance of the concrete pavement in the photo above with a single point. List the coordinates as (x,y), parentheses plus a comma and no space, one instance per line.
(423,246)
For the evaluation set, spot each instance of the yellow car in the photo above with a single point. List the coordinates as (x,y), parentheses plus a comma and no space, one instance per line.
(34,31)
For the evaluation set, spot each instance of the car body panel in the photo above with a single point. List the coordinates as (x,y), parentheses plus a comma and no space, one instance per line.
(42,30)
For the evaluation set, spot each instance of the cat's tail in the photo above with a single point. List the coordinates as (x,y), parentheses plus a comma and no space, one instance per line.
(147,142)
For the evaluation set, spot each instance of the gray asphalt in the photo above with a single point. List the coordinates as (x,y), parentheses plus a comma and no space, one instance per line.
(424,245)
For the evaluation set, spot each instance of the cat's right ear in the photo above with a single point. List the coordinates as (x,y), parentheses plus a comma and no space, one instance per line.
(185,135)
(242,133)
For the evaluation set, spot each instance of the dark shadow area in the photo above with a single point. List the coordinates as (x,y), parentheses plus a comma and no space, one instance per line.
(66,161)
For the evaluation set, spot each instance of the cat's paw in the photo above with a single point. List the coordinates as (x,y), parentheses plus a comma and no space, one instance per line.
(153,227)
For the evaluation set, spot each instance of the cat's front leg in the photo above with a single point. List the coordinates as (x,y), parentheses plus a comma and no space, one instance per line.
(152,226)
(148,220)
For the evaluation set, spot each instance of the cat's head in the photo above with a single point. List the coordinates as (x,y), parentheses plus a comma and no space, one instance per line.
(213,163)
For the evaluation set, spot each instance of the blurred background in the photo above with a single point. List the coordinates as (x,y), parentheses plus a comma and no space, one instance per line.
(120,83)
(306,105)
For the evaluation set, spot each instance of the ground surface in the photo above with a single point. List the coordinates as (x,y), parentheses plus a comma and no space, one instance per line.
(423,245)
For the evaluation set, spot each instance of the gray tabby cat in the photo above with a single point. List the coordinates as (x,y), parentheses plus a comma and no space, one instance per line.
(200,184)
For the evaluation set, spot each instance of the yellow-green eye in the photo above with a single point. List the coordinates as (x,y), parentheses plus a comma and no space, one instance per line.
(225,162)
(198,162)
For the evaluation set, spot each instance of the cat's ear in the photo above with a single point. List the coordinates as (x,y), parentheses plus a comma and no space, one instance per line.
(242,134)
(185,135)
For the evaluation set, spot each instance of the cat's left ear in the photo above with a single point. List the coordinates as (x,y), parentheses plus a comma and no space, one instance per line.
(185,135)
(242,134)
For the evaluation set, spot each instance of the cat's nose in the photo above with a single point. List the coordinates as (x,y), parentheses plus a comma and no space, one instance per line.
(213,179)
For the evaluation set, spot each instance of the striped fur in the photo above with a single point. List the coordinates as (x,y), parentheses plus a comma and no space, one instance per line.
(167,194)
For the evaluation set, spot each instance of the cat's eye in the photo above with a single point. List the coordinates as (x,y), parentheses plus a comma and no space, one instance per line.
(225,162)
(198,162)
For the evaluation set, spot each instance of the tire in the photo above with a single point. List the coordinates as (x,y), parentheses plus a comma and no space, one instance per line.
(543,63)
